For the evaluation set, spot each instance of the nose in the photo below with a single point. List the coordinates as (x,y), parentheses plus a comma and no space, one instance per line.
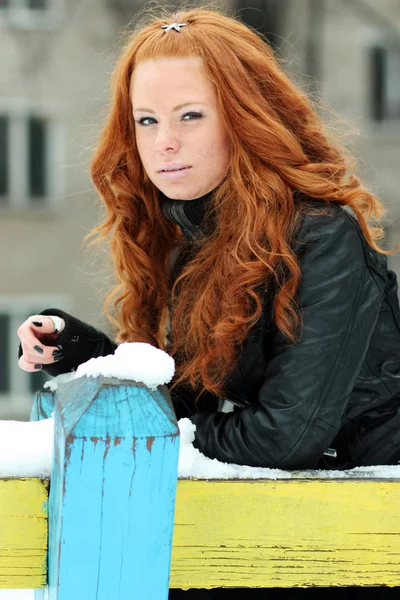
(167,139)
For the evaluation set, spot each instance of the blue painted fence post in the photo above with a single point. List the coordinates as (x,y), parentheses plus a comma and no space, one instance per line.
(112,491)
(43,405)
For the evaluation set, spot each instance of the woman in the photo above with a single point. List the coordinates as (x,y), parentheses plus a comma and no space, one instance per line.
(237,227)
(285,305)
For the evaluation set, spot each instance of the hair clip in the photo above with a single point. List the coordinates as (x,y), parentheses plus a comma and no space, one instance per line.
(175,26)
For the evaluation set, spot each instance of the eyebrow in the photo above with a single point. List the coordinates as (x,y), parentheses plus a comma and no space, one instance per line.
(173,110)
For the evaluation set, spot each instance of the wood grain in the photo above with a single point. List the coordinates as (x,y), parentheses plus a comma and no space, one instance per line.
(113,486)
(286,533)
(23,533)
(263,533)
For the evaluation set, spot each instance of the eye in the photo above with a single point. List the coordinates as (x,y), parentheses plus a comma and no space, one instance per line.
(194,115)
(143,119)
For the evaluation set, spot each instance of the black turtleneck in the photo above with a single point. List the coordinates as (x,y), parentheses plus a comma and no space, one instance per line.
(188,214)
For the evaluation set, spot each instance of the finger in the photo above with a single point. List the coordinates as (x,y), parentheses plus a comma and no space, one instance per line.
(37,335)
(43,354)
(30,344)
(44,360)
(44,324)
(37,324)
(32,368)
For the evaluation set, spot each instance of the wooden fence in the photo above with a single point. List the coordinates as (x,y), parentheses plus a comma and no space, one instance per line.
(118,524)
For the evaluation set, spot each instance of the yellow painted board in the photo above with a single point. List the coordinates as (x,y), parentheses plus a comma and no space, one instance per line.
(23,533)
(286,533)
(240,533)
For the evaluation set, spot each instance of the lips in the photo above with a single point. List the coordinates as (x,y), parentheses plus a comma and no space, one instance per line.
(172,166)
(169,170)
(176,174)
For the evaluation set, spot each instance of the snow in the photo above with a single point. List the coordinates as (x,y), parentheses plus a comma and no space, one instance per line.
(53,384)
(26,451)
(136,361)
(193,464)
(26,448)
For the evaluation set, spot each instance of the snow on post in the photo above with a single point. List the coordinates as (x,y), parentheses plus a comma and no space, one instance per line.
(113,480)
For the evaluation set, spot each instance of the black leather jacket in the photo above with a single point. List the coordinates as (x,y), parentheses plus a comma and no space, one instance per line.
(337,388)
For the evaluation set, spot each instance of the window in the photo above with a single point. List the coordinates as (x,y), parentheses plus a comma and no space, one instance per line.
(18,387)
(385,83)
(4,145)
(9,323)
(26,174)
(30,14)
(13,5)
(32,4)
(37,4)
(265,16)
(36,152)
(4,353)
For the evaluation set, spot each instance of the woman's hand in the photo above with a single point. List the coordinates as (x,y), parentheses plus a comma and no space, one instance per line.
(39,342)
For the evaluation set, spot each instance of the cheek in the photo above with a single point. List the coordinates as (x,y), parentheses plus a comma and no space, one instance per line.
(221,156)
(142,147)
(211,155)
(221,143)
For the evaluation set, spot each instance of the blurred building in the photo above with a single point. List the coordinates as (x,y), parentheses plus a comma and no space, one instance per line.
(54,78)
(55,62)
(351,49)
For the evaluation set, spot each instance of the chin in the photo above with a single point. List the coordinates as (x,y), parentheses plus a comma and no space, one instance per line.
(179,194)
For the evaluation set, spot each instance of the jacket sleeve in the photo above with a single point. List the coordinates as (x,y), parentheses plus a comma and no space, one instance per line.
(78,342)
(307,385)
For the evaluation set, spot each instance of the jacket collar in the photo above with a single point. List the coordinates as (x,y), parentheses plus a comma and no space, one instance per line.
(188,214)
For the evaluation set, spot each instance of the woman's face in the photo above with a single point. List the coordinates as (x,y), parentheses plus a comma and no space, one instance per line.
(169,134)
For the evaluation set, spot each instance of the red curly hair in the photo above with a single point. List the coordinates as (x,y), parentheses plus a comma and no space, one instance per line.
(278,150)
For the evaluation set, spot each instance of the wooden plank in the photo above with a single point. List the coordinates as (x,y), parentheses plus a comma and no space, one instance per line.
(281,533)
(286,533)
(23,533)
(113,486)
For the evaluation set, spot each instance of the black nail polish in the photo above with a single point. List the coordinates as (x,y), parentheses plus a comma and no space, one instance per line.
(38,366)
(58,355)
(59,346)
(38,349)
(37,323)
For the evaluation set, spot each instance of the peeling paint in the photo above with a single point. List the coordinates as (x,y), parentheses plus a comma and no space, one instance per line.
(95,440)
(83,441)
(149,442)
(297,534)
(107,444)
(68,447)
